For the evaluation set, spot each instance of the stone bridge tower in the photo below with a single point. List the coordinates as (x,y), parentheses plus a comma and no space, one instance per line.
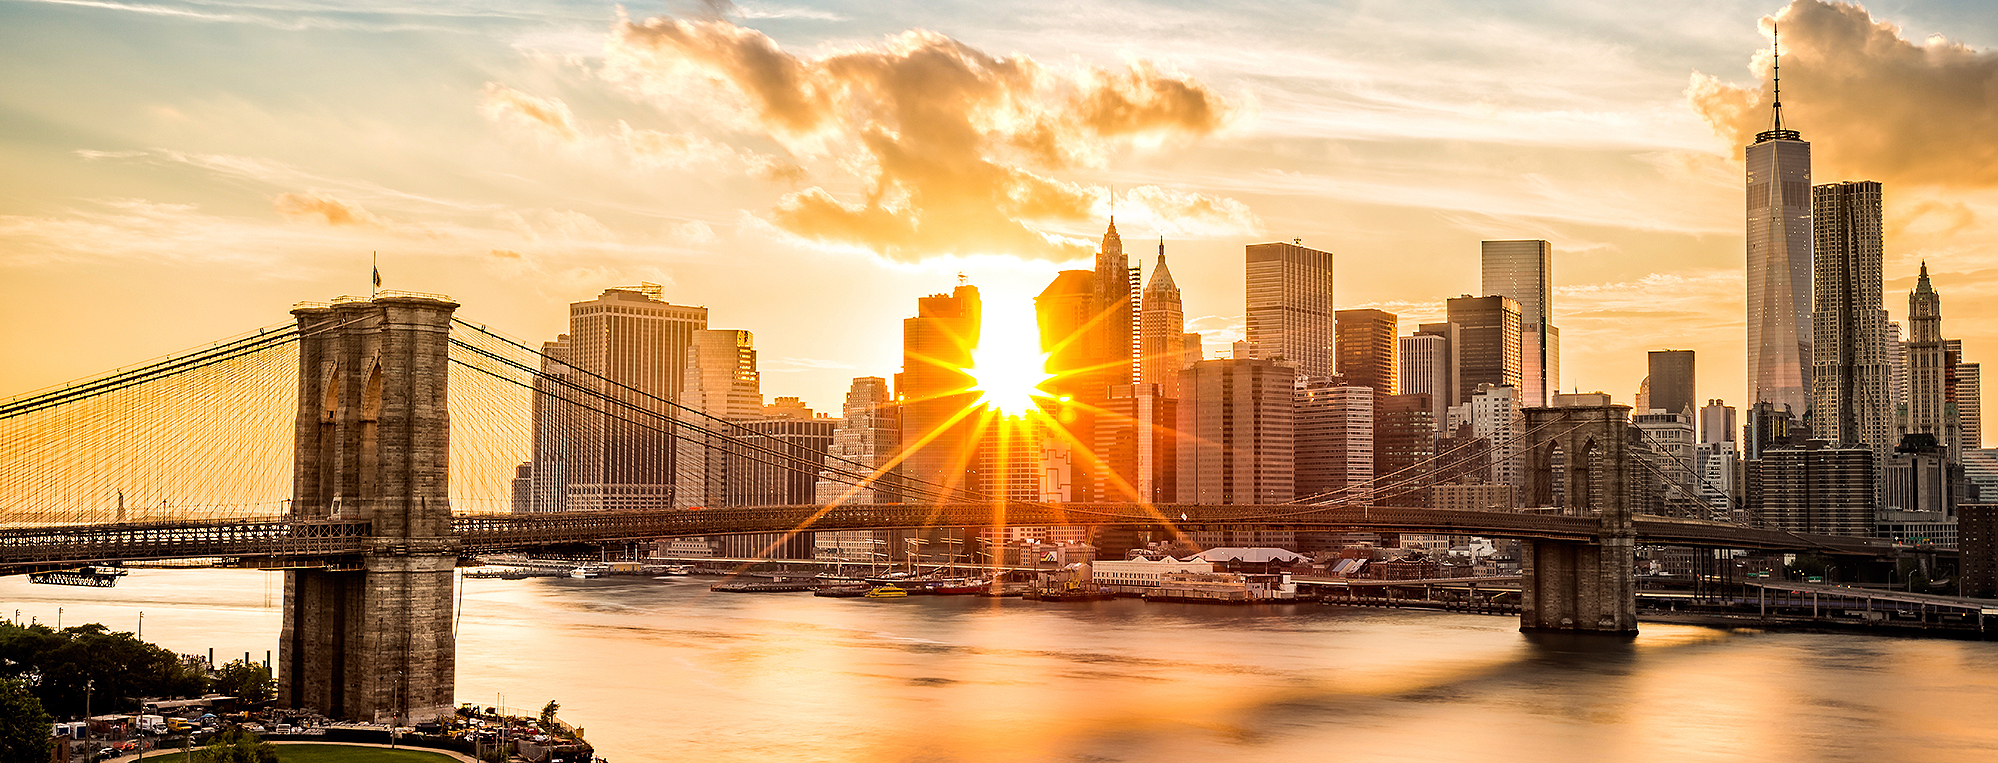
(372,640)
(1578,586)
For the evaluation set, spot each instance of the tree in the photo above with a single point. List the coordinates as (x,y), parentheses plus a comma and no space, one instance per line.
(24,727)
(248,681)
(58,664)
(234,745)
(548,712)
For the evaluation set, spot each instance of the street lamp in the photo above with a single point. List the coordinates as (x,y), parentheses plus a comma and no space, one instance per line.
(142,625)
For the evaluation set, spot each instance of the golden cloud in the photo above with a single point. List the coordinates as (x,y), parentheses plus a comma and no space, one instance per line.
(545,115)
(952,146)
(332,211)
(1873,105)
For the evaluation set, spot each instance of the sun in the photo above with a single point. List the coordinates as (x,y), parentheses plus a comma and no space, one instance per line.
(1007,367)
(1008,382)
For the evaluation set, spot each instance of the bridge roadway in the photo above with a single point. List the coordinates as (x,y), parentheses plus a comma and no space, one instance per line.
(272,543)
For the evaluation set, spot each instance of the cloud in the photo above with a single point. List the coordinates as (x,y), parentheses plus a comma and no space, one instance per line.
(332,211)
(545,115)
(1873,105)
(953,149)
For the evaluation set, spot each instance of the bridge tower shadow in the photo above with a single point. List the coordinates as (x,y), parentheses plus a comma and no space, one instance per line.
(1572,586)
(371,640)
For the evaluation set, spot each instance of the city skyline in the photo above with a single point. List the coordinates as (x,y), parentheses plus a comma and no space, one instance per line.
(157,214)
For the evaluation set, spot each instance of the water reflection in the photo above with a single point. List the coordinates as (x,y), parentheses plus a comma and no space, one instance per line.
(666,670)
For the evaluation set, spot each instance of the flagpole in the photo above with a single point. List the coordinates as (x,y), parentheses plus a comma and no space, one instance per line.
(376,287)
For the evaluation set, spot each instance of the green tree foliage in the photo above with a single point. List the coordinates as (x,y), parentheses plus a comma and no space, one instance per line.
(248,680)
(57,665)
(234,745)
(24,726)
(548,712)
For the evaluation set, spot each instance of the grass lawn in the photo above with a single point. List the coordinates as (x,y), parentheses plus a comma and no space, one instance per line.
(333,753)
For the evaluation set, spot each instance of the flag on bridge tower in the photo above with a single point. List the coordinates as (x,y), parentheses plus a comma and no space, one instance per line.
(378,273)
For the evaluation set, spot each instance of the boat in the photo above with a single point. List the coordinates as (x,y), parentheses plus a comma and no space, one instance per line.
(587,571)
(844,591)
(676,570)
(772,586)
(959,587)
(886,592)
(1073,594)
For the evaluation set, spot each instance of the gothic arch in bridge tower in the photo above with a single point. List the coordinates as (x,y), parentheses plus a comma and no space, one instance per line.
(369,638)
(1578,585)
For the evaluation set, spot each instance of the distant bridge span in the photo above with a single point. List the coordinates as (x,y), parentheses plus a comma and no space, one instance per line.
(284,543)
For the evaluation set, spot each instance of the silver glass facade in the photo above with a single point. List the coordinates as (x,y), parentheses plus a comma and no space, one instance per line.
(1523,270)
(1779,270)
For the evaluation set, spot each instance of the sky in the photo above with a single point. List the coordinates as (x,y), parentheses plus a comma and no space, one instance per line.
(179,171)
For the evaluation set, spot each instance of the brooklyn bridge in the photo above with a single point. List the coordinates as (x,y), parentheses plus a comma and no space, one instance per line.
(366,449)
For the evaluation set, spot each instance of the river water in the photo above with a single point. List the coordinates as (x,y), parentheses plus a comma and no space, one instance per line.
(664,670)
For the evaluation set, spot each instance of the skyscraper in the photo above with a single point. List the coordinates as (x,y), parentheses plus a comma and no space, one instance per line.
(1290,306)
(868,434)
(1965,420)
(1135,444)
(1779,265)
(1928,393)
(1237,432)
(1161,331)
(1717,422)
(1671,387)
(1493,413)
(1429,368)
(1897,369)
(1523,270)
(1114,337)
(934,389)
(1970,405)
(1366,344)
(721,380)
(628,345)
(1849,372)
(722,362)
(1335,440)
(1404,449)
(1486,347)
(555,433)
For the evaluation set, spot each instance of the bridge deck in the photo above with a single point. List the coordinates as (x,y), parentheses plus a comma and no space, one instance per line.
(285,542)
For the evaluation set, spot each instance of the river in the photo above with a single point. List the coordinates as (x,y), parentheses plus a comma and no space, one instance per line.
(664,670)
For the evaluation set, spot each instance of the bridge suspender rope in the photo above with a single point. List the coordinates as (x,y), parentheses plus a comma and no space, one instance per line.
(1413,483)
(789,462)
(805,465)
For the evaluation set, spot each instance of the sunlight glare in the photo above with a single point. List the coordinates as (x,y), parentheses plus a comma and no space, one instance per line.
(1008,366)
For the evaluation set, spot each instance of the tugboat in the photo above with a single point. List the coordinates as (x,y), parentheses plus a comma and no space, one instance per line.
(886,592)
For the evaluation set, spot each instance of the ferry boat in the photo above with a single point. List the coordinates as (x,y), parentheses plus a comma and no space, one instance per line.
(886,592)
(587,571)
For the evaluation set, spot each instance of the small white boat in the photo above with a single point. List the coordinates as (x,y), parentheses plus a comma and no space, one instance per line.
(587,571)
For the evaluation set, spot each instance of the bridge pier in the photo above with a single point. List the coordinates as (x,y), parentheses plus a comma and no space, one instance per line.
(373,641)
(1581,586)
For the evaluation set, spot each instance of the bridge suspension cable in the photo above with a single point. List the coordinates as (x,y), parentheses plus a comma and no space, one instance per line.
(559,381)
(1413,483)
(199,434)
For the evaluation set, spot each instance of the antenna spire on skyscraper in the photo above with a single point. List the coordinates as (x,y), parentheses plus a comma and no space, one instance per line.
(1776,45)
